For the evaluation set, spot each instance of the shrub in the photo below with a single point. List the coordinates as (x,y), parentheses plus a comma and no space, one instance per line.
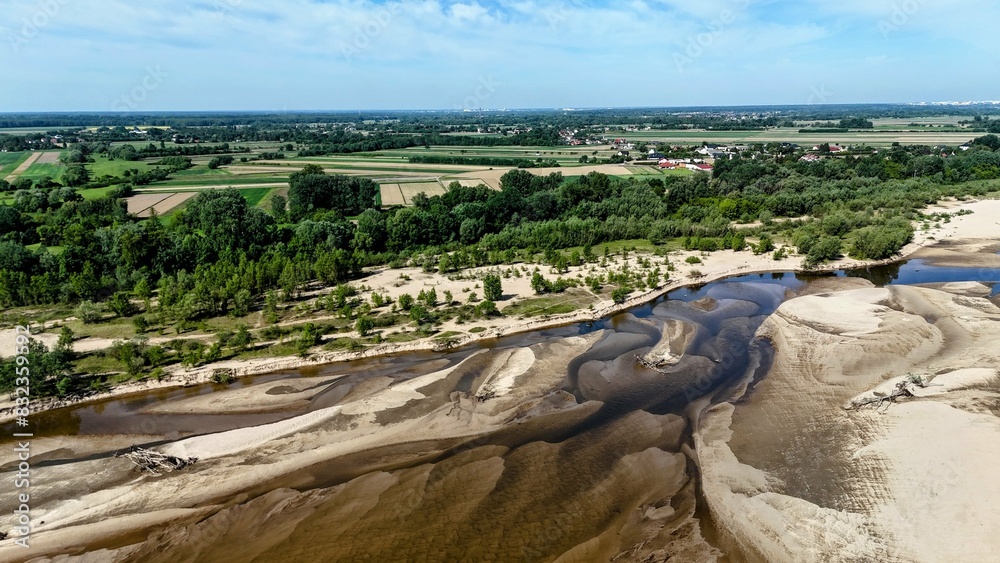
(89,312)
(827,248)
(693,260)
(364,326)
(492,288)
(619,295)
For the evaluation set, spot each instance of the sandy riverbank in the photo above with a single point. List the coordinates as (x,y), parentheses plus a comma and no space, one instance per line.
(791,475)
(981,224)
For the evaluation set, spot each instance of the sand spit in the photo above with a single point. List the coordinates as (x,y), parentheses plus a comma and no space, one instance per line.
(791,475)
(422,408)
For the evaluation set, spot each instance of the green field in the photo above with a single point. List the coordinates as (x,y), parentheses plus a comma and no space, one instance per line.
(96,193)
(37,171)
(9,161)
(104,167)
(255,195)
(235,181)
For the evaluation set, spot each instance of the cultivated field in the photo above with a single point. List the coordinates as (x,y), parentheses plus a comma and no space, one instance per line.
(168,204)
(23,167)
(392,195)
(143,202)
(50,157)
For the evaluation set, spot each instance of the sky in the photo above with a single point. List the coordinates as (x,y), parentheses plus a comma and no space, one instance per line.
(239,55)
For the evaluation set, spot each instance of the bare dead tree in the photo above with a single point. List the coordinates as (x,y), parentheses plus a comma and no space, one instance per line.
(902,390)
(154,462)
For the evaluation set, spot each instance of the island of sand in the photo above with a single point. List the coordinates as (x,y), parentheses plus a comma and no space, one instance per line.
(794,470)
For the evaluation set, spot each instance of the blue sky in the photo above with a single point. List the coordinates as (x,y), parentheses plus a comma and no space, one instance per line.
(126,55)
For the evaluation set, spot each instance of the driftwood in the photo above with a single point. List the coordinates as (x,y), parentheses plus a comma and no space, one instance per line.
(655,365)
(902,390)
(150,461)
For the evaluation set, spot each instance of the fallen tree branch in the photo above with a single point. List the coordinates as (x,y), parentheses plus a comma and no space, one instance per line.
(656,365)
(902,390)
(151,461)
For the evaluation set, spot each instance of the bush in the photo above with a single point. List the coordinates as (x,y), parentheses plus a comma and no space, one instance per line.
(539,284)
(827,248)
(121,305)
(364,326)
(242,339)
(487,309)
(492,288)
(620,294)
(879,243)
(89,312)
(693,260)
(220,161)
(222,375)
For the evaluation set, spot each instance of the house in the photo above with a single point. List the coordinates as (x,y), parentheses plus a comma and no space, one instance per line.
(810,158)
(668,164)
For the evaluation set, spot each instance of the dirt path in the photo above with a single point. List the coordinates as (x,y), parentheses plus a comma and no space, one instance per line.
(213,187)
(23,167)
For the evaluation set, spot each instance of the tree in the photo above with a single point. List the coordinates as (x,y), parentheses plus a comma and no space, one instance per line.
(242,339)
(539,284)
(487,309)
(405,301)
(279,207)
(418,314)
(45,368)
(65,339)
(311,189)
(492,288)
(75,175)
(242,301)
(620,294)
(130,353)
(371,234)
(121,304)
(827,248)
(365,325)
(218,161)
(308,339)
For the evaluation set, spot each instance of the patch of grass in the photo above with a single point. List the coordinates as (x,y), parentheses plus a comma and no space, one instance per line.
(97,363)
(255,195)
(95,193)
(113,328)
(37,171)
(449,334)
(9,161)
(550,305)
(102,166)
(397,337)
(54,250)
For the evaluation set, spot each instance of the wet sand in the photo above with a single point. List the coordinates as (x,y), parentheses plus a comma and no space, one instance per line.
(791,475)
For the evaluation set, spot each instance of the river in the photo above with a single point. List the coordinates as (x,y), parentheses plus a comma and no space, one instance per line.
(600,463)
